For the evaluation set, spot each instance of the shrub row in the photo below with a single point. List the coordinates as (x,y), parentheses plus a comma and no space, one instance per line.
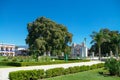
(4,63)
(27,75)
(54,72)
(40,74)
(113,66)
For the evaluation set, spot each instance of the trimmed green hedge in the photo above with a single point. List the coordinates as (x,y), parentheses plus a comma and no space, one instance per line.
(66,71)
(27,75)
(40,74)
(54,72)
(84,68)
(93,66)
(19,64)
(4,63)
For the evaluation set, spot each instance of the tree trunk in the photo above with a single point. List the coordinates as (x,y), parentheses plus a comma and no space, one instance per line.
(117,52)
(99,53)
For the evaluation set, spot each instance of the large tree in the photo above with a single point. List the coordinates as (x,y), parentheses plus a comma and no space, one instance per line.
(47,36)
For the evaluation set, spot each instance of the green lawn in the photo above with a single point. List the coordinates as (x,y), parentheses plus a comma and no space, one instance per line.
(87,75)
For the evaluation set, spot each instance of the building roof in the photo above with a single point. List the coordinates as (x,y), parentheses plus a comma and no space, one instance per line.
(5,44)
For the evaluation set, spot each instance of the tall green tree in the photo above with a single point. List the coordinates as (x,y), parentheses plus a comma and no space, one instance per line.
(98,38)
(111,44)
(45,35)
(115,41)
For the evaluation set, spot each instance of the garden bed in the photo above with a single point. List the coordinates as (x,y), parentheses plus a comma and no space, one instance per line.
(19,64)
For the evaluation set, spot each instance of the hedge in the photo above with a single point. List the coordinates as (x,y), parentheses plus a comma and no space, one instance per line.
(40,74)
(19,64)
(26,75)
(66,71)
(4,63)
(54,72)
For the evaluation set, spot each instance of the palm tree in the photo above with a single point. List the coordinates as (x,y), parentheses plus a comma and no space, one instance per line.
(99,38)
(115,40)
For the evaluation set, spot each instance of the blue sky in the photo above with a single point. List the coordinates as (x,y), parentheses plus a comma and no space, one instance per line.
(81,17)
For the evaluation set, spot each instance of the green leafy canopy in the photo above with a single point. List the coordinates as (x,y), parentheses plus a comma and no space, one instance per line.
(45,35)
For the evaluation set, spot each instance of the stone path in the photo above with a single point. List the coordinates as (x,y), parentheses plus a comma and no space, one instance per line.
(4,72)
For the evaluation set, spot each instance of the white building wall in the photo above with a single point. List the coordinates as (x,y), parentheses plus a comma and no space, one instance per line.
(86,51)
(83,51)
(7,50)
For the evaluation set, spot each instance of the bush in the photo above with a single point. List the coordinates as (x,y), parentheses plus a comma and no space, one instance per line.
(44,59)
(14,59)
(17,64)
(94,66)
(113,66)
(54,72)
(77,69)
(72,69)
(49,73)
(84,68)
(5,59)
(100,65)
(4,63)
(40,74)
(66,71)
(118,68)
(26,75)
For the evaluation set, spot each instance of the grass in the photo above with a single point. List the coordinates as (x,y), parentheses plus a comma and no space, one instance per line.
(87,75)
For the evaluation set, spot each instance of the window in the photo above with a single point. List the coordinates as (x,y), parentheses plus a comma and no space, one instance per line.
(10,49)
(6,49)
(2,49)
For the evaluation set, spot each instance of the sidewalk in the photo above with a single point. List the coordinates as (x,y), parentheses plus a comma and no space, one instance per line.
(4,72)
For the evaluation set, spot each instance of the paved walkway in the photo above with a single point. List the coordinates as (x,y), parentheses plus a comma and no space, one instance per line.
(4,72)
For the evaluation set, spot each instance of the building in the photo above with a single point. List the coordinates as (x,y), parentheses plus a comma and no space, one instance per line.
(7,49)
(79,50)
(21,50)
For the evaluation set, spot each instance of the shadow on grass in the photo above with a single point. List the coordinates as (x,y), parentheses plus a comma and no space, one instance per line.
(105,73)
